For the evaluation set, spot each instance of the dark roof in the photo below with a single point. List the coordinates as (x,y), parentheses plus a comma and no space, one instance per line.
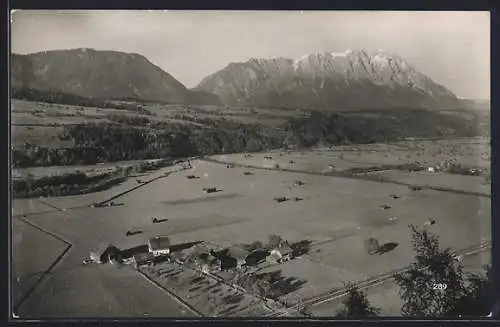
(209,259)
(159,243)
(105,247)
(237,253)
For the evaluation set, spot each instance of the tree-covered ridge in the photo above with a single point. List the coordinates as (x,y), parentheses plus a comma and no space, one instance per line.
(136,138)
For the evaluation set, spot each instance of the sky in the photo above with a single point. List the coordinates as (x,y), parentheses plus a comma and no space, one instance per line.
(452,48)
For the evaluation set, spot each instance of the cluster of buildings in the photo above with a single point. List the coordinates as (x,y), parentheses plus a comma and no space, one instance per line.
(157,247)
(237,258)
(206,259)
(452,166)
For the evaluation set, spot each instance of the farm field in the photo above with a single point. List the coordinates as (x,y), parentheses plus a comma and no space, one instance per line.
(333,214)
(384,296)
(87,199)
(67,293)
(451,181)
(25,240)
(473,152)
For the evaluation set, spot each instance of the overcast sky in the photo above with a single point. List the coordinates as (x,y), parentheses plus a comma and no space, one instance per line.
(453,48)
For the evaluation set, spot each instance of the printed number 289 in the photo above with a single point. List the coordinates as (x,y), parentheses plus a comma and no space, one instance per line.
(439,286)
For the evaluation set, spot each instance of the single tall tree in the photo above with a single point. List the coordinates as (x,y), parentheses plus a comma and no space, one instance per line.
(356,304)
(435,283)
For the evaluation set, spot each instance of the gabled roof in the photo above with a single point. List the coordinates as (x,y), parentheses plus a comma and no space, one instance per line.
(159,243)
(237,253)
(104,247)
(284,249)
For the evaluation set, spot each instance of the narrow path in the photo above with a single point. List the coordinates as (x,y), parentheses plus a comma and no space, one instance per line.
(116,196)
(348,175)
(49,269)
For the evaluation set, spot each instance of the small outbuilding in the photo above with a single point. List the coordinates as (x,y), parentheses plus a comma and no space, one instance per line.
(281,254)
(159,246)
(105,253)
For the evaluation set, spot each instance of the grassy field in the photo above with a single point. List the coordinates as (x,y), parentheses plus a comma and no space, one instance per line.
(335,214)
(100,291)
(450,181)
(468,152)
(25,240)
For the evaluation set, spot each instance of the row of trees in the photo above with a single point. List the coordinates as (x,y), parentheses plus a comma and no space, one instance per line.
(137,138)
(358,128)
(422,289)
(79,182)
(66,184)
(104,142)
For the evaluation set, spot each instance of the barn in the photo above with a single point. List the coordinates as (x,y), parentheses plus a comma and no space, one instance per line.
(105,253)
(239,256)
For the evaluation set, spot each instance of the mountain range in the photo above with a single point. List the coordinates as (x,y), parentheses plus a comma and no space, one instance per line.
(331,81)
(348,80)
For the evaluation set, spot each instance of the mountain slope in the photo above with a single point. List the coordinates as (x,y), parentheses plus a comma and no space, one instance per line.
(98,74)
(349,80)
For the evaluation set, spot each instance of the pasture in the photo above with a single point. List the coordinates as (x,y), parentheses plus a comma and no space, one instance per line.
(468,152)
(100,291)
(26,240)
(457,182)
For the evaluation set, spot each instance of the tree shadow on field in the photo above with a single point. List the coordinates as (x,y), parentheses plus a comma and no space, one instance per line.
(301,247)
(387,247)
(280,285)
(183,246)
(233,298)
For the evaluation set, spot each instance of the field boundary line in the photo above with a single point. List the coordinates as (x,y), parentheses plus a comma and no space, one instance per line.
(348,175)
(177,298)
(44,230)
(133,189)
(39,213)
(69,245)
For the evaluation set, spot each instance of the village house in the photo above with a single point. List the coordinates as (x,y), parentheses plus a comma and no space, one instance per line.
(209,263)
(281,253)
(159,245)
(105,253)
(235,257)
(143,259)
